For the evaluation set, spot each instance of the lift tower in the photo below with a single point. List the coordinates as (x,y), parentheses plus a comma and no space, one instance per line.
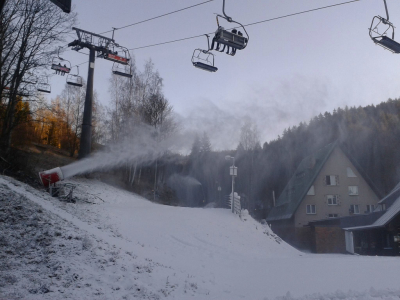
(105,48)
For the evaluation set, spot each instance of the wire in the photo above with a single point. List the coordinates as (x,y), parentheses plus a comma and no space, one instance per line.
(302,12)
(250,24)
(163,15)
(160,16)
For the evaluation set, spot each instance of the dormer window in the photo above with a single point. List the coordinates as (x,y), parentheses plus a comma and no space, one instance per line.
(350,172)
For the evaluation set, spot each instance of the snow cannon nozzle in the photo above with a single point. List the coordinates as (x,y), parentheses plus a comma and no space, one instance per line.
(51,176)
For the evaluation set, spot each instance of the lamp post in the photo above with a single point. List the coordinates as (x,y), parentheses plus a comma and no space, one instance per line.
(219,195)
(233,173)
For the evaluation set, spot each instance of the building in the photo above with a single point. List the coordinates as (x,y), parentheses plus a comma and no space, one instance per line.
(382,235)
(326,185)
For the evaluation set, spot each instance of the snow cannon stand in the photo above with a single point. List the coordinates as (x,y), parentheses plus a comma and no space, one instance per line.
(51,180)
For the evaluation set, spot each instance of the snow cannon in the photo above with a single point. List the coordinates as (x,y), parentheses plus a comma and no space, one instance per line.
(51,176)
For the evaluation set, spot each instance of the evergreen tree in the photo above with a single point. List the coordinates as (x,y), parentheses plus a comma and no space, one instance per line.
(196,146)
(205,144)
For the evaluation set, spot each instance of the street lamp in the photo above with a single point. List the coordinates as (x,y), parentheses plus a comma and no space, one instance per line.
(233,173)
(219,195)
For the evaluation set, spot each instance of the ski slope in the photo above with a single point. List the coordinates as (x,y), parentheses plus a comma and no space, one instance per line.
(122,246)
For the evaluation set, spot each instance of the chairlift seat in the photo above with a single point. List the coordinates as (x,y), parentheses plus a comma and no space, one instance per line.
(387,43)
(230,39)
(205,67)
(45,88)
(75,83)
(74,80)
(60,68)
(116,72)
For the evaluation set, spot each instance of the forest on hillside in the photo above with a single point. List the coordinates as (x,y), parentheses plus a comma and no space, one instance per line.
(369,135)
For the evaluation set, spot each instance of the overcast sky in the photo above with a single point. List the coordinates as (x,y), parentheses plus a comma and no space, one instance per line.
(292,69)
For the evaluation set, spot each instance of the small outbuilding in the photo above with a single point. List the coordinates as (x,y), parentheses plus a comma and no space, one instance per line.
(382,236)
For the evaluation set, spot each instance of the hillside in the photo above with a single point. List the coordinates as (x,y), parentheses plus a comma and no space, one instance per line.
(112,244)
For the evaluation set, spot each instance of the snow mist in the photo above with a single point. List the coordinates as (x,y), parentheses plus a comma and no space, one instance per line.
(144,147)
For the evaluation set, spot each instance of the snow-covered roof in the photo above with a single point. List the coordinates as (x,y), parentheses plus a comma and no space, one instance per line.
(392,211)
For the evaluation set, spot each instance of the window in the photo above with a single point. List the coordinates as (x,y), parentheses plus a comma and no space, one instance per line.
(370,208)
(350,172)
(332,199)
(353,190)
(311,209)
(354,209)
(333,215)
(311,191)
(332,180)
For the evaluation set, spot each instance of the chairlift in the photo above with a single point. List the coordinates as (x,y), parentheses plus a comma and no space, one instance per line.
(30,88)
(24,92)
(30,79)
(231,40)
(122,67)
(114,57)
(43,85)
(204,59)
(380,28)
(75,79)
(60,65)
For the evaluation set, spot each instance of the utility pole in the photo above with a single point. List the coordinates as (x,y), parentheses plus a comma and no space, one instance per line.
(105,48)
(233,173)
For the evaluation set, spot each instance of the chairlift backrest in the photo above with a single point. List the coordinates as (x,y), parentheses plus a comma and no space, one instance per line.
(116,58)
(60,68)
(230,38)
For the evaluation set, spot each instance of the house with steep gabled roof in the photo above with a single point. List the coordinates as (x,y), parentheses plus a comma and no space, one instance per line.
(327,184)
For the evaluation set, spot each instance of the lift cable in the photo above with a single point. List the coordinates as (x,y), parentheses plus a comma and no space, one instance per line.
(250,24)
(160,16)
(163,15)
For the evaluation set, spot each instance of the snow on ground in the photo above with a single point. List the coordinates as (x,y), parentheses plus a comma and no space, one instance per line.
(112,244)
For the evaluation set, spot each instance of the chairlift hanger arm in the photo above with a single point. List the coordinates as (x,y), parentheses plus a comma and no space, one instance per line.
(387,12)
(229,19)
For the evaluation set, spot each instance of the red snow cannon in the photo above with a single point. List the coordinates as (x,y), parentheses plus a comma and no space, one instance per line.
(51,176)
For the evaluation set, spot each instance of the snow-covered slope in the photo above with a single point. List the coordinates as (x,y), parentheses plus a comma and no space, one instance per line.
(132,248)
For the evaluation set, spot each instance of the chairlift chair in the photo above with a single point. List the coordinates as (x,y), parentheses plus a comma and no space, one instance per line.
(122,70)
(23,92)
(204,59)
(60,65)
(379,35)
(121,65)
(30,79)
(43,85)
(30,88)
(75,79)
(231,40)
